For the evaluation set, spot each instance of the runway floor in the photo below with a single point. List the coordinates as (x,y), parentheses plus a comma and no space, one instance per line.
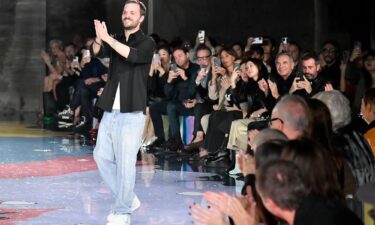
(47,178)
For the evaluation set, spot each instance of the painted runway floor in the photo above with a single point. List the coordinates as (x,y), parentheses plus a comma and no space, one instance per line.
(48,179)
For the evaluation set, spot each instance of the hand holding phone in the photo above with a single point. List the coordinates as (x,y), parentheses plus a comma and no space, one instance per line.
(258,40)
(201,36)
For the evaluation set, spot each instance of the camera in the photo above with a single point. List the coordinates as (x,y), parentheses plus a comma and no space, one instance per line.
(284,40)
(201,36)
(258,40)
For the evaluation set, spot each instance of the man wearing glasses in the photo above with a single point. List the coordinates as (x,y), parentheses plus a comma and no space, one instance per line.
(290,116)
(330,64)
(202,103)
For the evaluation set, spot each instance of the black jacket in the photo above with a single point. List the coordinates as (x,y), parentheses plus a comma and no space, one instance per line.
(131,72)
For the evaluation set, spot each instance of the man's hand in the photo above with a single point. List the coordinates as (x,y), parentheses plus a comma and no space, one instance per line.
(190,103)
(201,75)
(171,76)
(91,80)
(46,58)
(182,73)
(101,31)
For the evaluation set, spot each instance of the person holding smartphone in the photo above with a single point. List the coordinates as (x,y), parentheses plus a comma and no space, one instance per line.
(180,93)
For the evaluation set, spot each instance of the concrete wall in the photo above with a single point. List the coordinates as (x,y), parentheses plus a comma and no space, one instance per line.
(22,35)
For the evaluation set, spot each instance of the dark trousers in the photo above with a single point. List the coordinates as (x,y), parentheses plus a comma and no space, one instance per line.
(62,91)
(175,110)
(158,109)
(87,94)
(218,125)
(200,110)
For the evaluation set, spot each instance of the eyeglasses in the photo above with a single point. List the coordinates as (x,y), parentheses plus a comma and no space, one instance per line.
(204,58)
(274,119)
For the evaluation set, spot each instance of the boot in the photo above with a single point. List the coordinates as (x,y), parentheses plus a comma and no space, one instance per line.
(49,104)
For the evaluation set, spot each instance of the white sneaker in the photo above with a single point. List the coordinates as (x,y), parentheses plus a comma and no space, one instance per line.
(118,219)
(135,205)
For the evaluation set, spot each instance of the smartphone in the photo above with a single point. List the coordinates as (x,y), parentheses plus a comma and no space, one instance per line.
(86,53)
(217,62)
(201,36)
(236,66)
(258,40)
(75,59)
(357,45)
(174,67)
(284,40)
(156,58)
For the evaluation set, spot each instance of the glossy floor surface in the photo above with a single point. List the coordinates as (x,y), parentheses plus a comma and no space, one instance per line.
(48,178)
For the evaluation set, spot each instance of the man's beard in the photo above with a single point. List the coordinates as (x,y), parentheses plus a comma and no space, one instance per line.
(130,26)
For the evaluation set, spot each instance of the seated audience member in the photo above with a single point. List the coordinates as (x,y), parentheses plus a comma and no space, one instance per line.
(291,116)
(287,195)
(180,92)
(321,131)
(310,82)
(158,76)
(355,149)
(54,60)
(368,114)
(281,83)
(69,75)
(86,88)
(202,103)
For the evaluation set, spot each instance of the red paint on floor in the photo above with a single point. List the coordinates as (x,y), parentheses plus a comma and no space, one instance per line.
(60,166)
(10,216)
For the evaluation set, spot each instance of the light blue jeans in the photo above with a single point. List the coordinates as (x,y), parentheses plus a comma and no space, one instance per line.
(119,139)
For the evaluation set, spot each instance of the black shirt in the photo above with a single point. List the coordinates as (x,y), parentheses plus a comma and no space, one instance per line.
(131,72)
(180,89)
(318,211)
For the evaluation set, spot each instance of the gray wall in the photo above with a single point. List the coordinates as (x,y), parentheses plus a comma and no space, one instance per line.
(27,25)
(22,35)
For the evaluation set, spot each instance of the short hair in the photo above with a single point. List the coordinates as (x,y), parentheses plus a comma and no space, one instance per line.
(268,135)
(282,182)
(294,112)
(284,54)
(181,48)
(369,98)
(256,49)
(339,107)
(141,5)
(268,151)
(311,55)
(203,47)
